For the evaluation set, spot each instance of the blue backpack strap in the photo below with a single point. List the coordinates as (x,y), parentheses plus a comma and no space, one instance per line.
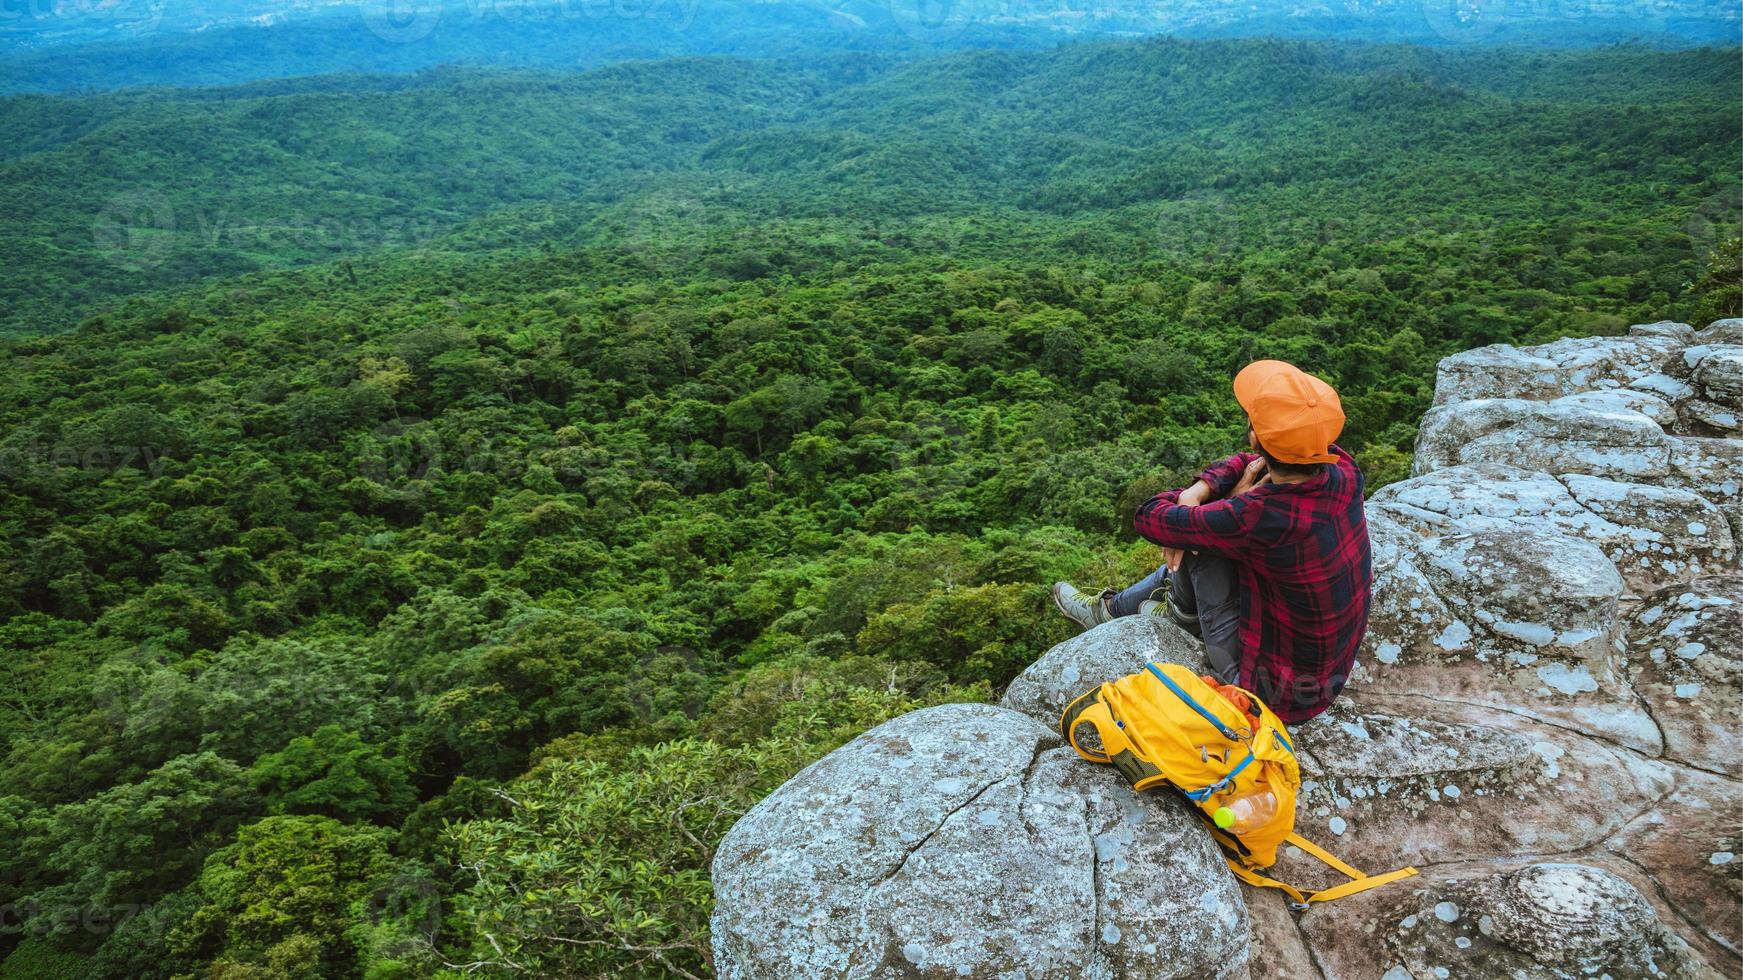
(1203,712)
(1200,795)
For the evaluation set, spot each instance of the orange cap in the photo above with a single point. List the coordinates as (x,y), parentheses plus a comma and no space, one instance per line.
(1295,416)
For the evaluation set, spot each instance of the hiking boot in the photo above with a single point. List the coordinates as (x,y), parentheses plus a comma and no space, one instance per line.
(1082,608)
(1166,610)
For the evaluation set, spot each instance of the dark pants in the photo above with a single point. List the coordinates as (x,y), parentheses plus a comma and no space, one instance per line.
(1205,586)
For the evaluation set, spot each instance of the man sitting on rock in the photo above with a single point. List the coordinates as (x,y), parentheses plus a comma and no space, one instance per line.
(1266,554)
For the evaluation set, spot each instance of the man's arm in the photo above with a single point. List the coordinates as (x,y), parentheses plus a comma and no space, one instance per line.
(1221,526)
(1203,491)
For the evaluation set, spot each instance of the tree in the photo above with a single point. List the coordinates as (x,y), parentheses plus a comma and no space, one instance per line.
(283,899)
(132,843)
(1721,287)
(601,870)
(333,773)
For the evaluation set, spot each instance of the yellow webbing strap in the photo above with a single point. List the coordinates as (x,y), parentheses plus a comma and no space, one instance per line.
(1252,877)
(1321,853)
(1358,882)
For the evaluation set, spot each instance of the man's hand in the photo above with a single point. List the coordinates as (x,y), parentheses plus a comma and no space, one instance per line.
(1256,475)
(1172,557)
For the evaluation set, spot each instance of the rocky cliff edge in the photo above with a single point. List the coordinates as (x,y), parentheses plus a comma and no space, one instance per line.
(1544,719)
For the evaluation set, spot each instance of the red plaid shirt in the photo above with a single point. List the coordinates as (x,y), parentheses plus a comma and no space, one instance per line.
(1301,553)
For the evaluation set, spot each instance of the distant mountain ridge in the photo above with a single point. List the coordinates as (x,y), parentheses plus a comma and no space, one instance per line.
(67,46)
(1222,146)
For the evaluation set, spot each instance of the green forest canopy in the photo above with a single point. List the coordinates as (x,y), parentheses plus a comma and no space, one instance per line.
(381,611)
(1139,149)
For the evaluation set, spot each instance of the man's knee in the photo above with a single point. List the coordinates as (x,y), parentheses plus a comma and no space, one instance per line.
(1213,580)
(1215,601)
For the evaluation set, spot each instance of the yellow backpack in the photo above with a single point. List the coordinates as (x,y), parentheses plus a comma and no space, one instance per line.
(1165,724)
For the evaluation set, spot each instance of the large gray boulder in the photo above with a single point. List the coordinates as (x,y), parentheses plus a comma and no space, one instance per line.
(1712,468)
(1524,619)
(1393,780)
(1508,596)
(961,841)
(1640,399)
(1727,331)
(1529,596)
(1653,535)
(1407,620)
(1548,371)
(1689,843)
(1106,653)
(1715,371)
(1496,371)
(1560,436)
(1497,608)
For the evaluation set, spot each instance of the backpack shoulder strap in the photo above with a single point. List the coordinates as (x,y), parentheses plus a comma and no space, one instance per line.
(1089,707)
(1300,900)
(1116,748)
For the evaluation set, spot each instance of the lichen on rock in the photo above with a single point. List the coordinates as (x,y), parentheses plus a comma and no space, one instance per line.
(1685,664)
(1540,921)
